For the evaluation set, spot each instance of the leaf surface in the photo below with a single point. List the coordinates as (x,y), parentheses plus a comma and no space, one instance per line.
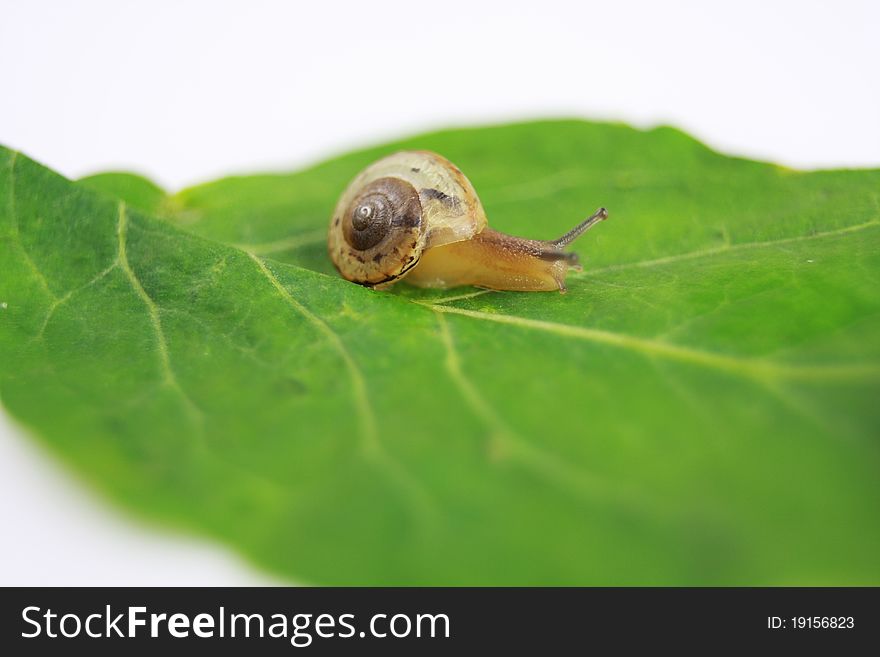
(700,408)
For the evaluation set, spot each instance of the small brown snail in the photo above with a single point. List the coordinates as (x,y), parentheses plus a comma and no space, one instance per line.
(414,214)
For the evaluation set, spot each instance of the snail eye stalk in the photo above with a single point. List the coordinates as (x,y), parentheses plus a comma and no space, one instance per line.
(599,215)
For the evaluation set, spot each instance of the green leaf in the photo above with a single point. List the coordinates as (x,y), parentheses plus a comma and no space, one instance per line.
(700,408)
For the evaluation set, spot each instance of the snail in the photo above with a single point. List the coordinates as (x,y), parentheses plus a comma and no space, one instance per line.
(414,214)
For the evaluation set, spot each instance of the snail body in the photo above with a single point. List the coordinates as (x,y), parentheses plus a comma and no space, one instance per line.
(414,214)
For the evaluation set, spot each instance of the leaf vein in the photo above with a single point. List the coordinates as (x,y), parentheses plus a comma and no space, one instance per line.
(62,300)
(359,386)
(508,444)
(369,434)
(728,248)
(754,368)
(169,378)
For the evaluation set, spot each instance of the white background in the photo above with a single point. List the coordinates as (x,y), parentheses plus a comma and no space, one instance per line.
(187,91)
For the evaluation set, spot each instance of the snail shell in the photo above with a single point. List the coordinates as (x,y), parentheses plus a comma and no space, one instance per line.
(397,208)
